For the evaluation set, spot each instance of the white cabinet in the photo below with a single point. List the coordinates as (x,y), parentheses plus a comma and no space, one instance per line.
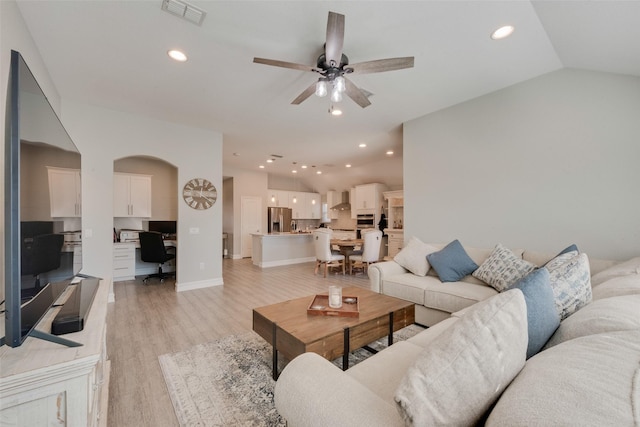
(124,261)
(297,205)
(314,204)
(45,384)
(368,198)
(278,199)
(303,205)
(395,221)
(131,195)
(64,192)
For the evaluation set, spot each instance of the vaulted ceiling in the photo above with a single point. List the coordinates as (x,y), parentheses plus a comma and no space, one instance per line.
(113,54)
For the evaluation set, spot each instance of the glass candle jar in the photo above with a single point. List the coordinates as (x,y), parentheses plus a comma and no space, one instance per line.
(335,296)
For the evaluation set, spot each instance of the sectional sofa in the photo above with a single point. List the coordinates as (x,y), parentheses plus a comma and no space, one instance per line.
(539,351)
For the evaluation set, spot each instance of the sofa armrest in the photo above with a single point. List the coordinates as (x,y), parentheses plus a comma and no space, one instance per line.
(381,270)
(311,391)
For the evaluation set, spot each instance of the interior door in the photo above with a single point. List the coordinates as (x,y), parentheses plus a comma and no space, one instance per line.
(251,220)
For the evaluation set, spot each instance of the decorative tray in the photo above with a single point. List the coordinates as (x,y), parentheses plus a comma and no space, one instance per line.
(320,306)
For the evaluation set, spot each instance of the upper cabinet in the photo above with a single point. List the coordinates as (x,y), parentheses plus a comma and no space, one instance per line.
(131,195)
(368,198)
(64,192)
(278,199)
(395,209)
(303,205)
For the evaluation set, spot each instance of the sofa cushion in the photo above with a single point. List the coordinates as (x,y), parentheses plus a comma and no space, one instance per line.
(382,372)
(542,316)
(589,381)
(503,268)
(570,281)
(606,315)
(451,262)
(432,293)
(624,285)
(626,268)
(465,368)
(413,256)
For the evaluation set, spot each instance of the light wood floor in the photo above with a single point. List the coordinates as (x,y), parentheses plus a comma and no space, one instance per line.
(147,321)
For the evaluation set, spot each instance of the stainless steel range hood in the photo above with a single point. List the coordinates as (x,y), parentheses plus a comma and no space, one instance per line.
(344,205)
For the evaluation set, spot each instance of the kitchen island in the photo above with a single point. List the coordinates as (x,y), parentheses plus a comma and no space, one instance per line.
(274,249)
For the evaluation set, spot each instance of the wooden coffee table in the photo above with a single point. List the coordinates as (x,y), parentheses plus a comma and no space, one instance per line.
(291,331)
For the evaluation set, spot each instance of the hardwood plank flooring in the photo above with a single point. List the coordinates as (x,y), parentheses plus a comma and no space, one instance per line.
(147,321)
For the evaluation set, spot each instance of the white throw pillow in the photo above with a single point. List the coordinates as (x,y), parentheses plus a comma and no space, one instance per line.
(413,256)
(623,285)
(571,282)
(465,369)
(503,268)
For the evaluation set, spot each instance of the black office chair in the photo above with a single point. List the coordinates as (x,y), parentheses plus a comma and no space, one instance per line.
(42,255)
(152,249)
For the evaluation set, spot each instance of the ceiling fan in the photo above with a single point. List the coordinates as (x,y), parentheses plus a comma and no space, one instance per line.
(332,65)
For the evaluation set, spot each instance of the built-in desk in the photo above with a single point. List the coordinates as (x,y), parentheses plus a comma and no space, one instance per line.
(127,263)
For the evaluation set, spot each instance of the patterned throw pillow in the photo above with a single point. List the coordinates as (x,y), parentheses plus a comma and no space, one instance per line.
(503,268)
(571,282)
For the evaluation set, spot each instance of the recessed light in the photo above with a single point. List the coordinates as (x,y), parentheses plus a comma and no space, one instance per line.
(389,153)
(502,32)
(261,166)
(363,145)
(319,172)
(269,160)
(177,55)
(294,171)
(303,166)
(348,165)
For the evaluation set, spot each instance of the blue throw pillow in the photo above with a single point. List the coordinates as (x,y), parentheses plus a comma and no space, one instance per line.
(452,262)
(542,315)
(569,249)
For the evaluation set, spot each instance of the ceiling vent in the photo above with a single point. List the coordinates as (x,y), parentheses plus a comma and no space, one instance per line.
(184,10)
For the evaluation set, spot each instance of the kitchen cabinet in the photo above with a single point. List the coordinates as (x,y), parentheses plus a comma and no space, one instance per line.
(368,198)
(278,199)
(131,195)
(395,221)
(305,205)
(352,202)
(65,192)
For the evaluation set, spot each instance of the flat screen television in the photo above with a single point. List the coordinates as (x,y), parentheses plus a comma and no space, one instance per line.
(34,139)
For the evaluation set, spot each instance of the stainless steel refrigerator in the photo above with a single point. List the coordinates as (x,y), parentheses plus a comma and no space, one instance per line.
(279,220)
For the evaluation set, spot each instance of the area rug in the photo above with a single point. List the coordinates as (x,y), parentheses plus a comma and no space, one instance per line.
(228,382)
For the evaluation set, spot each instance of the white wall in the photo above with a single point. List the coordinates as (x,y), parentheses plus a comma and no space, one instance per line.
(540,165)
(245,183)
(104,135)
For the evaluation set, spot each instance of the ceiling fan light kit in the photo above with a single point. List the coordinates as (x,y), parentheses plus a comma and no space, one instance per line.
(332,65)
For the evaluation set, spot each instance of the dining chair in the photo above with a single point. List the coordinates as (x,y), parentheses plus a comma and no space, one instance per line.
(370,251)
(324,255)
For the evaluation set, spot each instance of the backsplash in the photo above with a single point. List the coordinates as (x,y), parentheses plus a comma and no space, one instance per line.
(344,221)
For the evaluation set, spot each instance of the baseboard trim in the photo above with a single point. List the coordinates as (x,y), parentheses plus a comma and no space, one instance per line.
(190,286)
(268,264)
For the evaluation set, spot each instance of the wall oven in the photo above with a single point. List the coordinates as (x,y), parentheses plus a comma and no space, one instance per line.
(365,221)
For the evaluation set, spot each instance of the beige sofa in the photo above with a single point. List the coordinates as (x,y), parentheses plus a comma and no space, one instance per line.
(471,367)
(435,301)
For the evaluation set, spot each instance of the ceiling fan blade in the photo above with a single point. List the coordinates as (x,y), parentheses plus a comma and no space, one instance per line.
(356,94)
(305,94)
(284,64)
(335,38)
(381,65)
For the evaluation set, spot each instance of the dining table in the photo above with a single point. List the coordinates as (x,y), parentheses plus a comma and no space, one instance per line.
(346,247)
